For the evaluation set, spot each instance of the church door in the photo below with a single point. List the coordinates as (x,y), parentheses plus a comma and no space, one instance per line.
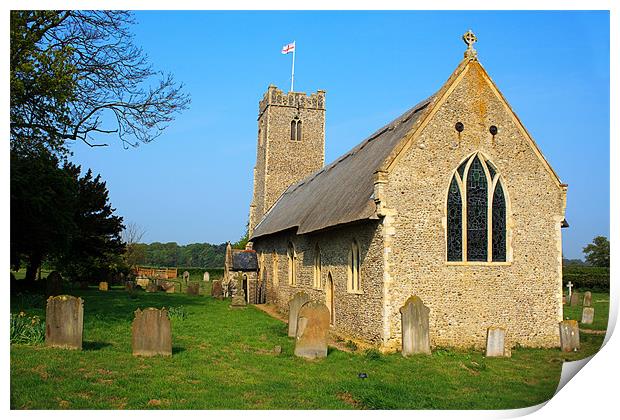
(329,298)
(245,288)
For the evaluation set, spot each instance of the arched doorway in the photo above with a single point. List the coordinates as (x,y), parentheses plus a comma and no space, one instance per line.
(245,288)
(329,298)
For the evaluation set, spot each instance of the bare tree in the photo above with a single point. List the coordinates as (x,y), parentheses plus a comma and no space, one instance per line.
(77,74)
(131,236)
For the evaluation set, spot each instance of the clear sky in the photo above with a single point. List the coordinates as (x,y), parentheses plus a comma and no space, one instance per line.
(194,183)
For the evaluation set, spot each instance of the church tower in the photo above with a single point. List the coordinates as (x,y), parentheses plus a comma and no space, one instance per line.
(291,145)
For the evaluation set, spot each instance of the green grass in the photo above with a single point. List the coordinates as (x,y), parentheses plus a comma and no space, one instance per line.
(223,359)
(21,273)
(600,303)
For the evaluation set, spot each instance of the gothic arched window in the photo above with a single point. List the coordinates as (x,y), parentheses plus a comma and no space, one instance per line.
(296,129)
(476,213)
(317,267)
(354,267)
(292,264)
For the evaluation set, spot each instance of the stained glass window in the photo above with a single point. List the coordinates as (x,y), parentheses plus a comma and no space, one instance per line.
(499,224)
(461,169)
(455,222)
(477,196)
(491,170)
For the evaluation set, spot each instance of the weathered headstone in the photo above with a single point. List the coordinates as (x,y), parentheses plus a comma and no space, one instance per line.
(311,332)
(168,286)
(151,334)
(53,284)
(205,276)
(569,335)
(152,287)
(414,319)
(143,282)
(298,300)
(186,276)
(238,300)
(103,286)
(64,322)
(216,289)
(587,315)
(496,342)
(574,299)
(193,288)
(587,299)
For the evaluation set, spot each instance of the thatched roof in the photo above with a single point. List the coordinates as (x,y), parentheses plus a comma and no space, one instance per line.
(341,192)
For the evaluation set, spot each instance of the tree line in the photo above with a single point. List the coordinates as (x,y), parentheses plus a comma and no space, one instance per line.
(171,254)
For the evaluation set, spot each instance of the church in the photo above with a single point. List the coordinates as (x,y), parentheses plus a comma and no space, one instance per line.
(452,201)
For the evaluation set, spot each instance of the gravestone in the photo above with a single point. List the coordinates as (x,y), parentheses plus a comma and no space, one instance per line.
(587,315)
(216,289)
(168,286)
(64,322)
(103,286)
(574,299)
(587,299)
(238,300)
(143,282)
(563,299)
(298,300)
(496,341)
(569,286)
(53,284)
(311,331)
(205,276)
(569,335)
(414,319)
(152,287)
(193,289)
(130,285)
(186,276)
(151,334)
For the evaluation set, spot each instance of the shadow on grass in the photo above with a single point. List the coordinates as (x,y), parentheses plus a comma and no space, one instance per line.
(177,350)
(94,345)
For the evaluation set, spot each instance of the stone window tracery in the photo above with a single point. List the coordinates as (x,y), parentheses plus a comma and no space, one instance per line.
(292,264)
(476,213)
(354,267)
(296,129)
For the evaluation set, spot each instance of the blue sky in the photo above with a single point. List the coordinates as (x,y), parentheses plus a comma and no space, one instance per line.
(194,183)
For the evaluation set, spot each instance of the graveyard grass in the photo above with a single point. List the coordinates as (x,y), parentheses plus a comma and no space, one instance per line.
(223,359)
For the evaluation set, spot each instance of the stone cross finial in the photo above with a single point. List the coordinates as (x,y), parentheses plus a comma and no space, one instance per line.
(470,38)
(570,289)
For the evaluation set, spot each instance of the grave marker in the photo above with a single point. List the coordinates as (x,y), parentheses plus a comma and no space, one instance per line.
(103,286)
(298,300)
(205,276)
(64,322)
(311,331)
(193,289)
(574,299)
(587,299)
(415,328)
(151,333)
(216,289)
(587,315)
(569,335)
(496,342)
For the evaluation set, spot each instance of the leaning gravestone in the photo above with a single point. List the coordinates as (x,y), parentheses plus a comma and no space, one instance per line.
(186,276)
(238,300)
(193,289)
(574,299)
(311,331)
(299,299)
(216,289)
(414,319)
(587,316)
(496,341)
(151,334)
(205,276)
(168,286)
(587,299)
(569,335)
(152,287)
(103,286)
(53,284)
(64,322)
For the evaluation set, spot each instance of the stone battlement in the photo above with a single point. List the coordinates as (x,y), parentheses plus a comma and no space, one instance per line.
(275,96)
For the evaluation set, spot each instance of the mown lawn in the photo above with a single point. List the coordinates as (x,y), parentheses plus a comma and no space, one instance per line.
(223,359)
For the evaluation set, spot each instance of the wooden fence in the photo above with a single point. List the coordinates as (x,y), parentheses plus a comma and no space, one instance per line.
(164,273)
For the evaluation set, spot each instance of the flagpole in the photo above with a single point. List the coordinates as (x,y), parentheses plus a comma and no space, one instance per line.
(293,68)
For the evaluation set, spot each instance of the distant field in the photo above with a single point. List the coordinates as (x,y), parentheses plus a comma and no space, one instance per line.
(224,359)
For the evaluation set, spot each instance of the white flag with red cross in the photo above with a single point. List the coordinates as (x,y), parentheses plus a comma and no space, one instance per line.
(288,48)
